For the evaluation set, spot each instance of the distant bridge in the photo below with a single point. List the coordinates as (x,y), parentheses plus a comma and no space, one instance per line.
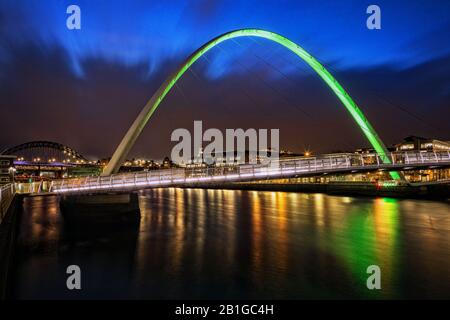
(37,160)
(288,168)
(44,153)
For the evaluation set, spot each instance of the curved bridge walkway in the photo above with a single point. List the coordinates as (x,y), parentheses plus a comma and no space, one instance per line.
(285,168)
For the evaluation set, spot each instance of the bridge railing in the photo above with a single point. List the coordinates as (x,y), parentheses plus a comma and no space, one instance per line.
(32,187)
(7,193)
(280,168)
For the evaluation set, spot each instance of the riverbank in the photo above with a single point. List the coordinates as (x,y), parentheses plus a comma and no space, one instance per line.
(437,191)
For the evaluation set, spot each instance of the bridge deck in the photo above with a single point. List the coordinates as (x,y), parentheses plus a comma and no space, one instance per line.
(292,167)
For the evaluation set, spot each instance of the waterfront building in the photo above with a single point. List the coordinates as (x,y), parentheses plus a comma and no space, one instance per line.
(415,143)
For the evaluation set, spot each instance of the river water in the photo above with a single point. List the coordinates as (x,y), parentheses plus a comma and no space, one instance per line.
(231,244)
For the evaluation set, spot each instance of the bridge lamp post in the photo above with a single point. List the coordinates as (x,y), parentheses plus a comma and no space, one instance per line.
(12,172)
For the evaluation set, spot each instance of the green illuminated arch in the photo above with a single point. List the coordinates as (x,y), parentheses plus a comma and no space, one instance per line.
(140,122)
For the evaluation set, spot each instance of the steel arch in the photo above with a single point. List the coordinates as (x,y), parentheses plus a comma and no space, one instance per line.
(143,117)
(43,144)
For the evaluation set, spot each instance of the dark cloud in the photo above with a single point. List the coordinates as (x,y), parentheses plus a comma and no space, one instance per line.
(206,10)
(42,99)
(406,101)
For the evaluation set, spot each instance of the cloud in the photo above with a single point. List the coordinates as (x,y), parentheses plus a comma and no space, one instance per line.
(43,99)
(42,95)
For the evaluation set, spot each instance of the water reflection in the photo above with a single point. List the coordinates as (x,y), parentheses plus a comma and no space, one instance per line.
(196,243)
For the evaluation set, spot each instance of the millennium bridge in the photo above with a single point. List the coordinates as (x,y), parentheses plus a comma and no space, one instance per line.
(381,159)
(219,175)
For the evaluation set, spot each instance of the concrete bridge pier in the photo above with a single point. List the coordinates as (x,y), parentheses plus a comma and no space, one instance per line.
(101,208)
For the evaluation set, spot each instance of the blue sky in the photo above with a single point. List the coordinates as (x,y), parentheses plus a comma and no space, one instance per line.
(131,46)
(154,31)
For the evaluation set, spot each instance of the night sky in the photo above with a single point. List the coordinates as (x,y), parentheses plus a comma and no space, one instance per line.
(83,88)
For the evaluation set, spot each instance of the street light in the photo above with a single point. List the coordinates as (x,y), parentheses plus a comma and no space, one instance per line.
(12,172)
